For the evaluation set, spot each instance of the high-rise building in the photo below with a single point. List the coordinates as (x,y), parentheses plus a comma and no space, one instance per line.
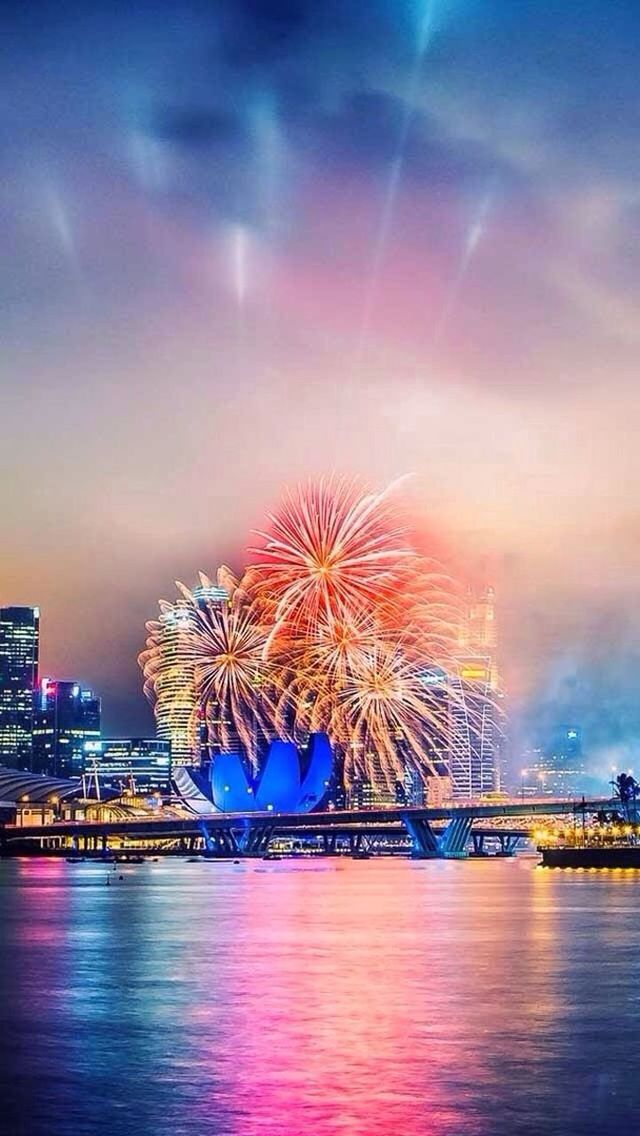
(66,717)
(473,745)
(556,769)
(476,733)
(177,711)
(479,634)
(176,707)
(140,763)
(19,653)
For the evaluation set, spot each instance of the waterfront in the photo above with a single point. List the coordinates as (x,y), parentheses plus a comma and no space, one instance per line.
(325,996)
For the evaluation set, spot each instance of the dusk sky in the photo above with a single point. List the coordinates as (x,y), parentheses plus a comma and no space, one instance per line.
(248,242)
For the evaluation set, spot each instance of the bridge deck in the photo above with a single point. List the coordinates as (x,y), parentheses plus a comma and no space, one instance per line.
(289,823)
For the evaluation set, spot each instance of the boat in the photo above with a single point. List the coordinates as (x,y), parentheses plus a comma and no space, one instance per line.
(75,859)
(591,856)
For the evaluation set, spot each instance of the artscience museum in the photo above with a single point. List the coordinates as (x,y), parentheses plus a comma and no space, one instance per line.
(290,780)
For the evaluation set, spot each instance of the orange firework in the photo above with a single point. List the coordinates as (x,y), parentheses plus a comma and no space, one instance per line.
(339,624)
(330,549)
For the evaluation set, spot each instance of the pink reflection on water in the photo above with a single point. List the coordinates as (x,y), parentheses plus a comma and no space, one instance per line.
(341,1026)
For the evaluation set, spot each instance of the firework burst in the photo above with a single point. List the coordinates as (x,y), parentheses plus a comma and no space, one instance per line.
(226,648)
(331,549)
(339,624)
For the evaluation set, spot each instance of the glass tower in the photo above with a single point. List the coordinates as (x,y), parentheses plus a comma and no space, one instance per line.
(19,652)
(177,706)
(66,717)
(476,735)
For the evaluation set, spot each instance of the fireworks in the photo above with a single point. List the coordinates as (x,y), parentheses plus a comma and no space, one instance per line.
(329,551)
(336,626)
(226,649)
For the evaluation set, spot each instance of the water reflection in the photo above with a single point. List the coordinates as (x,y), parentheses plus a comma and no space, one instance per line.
(330,996)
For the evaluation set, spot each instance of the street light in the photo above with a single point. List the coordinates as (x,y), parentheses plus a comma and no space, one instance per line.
(523,774)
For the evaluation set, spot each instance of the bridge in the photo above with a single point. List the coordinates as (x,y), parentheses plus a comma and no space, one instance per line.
(430,833)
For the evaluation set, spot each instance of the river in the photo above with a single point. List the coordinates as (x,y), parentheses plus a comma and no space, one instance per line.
(328,996)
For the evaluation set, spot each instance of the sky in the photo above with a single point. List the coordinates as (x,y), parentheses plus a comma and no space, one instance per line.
(245,243)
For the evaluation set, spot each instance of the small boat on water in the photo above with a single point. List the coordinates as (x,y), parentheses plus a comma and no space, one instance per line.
(75,859)
(591,856)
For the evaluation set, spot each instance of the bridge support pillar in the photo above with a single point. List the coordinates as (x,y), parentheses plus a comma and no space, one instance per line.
(450,845)
(256,838)
(453,842)
(250,840)
(508,843)
(423,838)
(219,841)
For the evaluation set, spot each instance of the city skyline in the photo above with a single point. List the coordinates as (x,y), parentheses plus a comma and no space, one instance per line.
(343,622)
(510,761)
(470,756)
(236,258)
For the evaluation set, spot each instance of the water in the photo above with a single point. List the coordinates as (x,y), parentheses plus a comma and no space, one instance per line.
(371,998)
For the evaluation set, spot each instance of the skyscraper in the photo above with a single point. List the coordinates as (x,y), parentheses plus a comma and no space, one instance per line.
(475,755)
(19,654)
(176,703)
(177,709)
(66,717)
(557,768)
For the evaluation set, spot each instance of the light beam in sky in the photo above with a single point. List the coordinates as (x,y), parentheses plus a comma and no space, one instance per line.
(239,263)
(423,38)
(57,213)
(269,149)
(475,234)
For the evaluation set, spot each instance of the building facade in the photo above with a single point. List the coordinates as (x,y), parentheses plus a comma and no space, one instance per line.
(19,658)
(66,717)
(476,715)
(556,769)
(177,710)
(134,763)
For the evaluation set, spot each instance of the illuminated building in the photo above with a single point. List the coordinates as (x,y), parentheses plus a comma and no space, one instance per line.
(557,769)
(139,763)
(410,791)
(366,794)
(476,734)
(177,710)
(478,636)
(19,651)
(437,684)
(472,755)
(66,717)
(176,704)
(28,799)
(288,781)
